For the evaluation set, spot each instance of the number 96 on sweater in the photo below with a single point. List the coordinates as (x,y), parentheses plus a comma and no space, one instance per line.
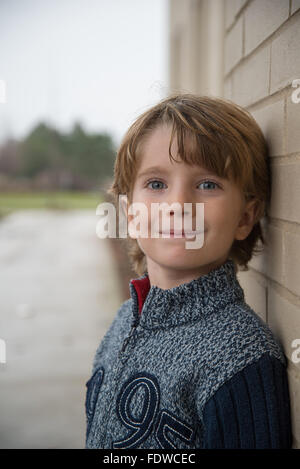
(139,428)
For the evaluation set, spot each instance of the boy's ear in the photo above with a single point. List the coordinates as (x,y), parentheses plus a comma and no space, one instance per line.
(247,220)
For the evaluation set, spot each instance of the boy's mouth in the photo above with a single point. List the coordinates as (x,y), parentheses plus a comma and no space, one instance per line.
(181,234)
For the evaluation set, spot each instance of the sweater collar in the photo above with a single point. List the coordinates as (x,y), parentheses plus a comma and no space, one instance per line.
(187,302)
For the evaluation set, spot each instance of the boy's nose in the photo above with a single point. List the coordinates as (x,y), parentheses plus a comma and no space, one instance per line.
(187,216)
(182,196)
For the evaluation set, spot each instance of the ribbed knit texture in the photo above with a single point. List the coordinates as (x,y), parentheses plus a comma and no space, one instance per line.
(251,410)
(163,378)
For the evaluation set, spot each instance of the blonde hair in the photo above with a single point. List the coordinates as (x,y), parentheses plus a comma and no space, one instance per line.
(214,133)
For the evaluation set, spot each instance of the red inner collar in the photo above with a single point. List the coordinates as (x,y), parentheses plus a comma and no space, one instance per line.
(142,287)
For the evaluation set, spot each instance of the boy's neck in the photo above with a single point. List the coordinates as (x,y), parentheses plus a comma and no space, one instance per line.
(166,277)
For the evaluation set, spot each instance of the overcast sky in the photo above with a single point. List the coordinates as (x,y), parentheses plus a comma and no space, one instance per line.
(100,62)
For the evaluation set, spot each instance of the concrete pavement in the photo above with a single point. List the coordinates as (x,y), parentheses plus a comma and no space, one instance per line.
(59,292)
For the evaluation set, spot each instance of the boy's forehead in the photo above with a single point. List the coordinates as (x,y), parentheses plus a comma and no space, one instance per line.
(165,169)
(159,140)
(153,156)
(154,151)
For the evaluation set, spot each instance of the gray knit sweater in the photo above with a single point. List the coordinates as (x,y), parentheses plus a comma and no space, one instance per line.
(197,369)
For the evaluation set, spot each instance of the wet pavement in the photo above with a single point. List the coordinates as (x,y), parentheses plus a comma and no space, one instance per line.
(59,292)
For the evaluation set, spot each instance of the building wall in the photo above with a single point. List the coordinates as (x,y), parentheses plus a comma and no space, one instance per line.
(261,59)
(196,46)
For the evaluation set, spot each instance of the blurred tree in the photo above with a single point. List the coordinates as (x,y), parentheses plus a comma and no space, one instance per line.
(40,150)
(72,160)
(10,157)
(91,155)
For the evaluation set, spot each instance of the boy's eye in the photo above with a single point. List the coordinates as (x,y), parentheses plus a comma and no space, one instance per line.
(209,182)
(156,184)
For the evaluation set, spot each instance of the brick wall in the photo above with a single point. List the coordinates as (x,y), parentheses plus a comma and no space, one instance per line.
(261,60)
(196,37)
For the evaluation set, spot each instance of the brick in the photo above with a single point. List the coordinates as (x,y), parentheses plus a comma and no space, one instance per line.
(255,292)
(228,88)
(232,7)
(234,46)
(251,78)
(294,390)
(242,3)
(266,262)
(262,18)
(285,192)
(271,121)
(293,125)
(295,6)
(292,261)
(259,261)
(274,262)
(284,320)
(285,67)
(296,444)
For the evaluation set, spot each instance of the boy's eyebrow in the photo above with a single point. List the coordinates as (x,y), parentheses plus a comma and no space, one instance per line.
(158,169)
(152,170)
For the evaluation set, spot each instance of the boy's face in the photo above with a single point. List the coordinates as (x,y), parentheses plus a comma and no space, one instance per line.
(226,215)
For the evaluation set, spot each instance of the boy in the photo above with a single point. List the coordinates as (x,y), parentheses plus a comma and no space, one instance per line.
(186,363)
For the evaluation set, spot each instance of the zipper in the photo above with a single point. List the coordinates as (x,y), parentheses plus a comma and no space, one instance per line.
(134,324)
(133,327)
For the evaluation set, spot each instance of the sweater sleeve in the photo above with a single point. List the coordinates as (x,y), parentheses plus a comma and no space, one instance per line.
(251,410)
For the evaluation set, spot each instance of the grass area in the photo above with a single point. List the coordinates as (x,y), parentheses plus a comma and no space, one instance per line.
(10,202)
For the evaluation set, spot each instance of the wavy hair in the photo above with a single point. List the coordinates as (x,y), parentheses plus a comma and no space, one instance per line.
(222,137)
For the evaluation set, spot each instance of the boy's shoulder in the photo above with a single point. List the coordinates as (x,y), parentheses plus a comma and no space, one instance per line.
(238,329)
(234,338)
(119,323)
(122,314)
(124,309)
